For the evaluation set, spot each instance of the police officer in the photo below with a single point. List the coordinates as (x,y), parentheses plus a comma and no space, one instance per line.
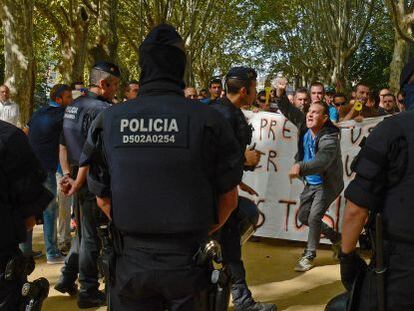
(165,169)
(241,91)
(104,83)
(383,185)
(22,199)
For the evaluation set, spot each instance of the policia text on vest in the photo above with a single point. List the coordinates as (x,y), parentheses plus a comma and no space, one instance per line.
(146,130)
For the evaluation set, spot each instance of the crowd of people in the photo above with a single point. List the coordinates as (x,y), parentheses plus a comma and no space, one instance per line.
(84,148)
(361,103)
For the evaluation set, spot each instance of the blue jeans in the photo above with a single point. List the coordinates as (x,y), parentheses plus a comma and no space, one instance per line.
(50,219)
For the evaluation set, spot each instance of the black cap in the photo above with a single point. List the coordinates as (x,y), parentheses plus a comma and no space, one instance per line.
(406,73)
(241,73)
(108,68)
(164,34)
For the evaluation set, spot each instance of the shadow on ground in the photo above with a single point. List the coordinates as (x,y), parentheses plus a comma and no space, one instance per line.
(269,265)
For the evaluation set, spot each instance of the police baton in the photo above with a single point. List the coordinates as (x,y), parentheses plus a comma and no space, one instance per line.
(379,262)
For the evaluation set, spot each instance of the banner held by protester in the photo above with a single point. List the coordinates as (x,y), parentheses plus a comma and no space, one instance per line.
(276,139)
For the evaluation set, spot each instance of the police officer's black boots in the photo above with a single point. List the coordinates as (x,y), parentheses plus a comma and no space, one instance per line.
(91,299)
(243,300)
(66,287)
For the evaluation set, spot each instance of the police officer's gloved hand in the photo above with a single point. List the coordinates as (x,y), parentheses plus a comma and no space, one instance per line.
(351,265)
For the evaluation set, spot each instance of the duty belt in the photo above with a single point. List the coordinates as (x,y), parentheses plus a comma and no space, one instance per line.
(189,243)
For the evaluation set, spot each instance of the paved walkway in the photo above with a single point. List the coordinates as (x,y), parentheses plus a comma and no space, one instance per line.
(269,265)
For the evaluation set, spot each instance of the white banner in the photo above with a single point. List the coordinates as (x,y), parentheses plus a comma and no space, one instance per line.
(276,138)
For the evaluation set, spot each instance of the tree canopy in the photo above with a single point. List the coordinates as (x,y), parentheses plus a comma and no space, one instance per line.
(338,42)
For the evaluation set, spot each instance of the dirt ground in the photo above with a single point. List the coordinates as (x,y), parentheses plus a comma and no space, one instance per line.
(269,265)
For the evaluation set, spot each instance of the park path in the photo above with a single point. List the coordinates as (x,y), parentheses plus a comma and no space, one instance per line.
(269,265)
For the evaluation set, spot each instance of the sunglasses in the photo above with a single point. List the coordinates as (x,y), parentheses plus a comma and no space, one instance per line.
(262,100)
(401,101)
(340,104)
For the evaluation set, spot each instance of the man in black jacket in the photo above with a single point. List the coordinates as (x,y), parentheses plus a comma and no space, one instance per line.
(241,91)
(22,198)
(165,169)
(319,163)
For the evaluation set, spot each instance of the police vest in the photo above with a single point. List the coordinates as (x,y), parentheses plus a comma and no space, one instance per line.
(76,122)
(160,181)
(242,130)
(398,208)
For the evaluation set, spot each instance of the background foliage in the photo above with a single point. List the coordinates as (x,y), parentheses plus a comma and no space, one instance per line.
(338,42)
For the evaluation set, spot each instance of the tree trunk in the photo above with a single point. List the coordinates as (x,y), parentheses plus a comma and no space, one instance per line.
(17,20)
(399,59)
(106,46)
(74,44)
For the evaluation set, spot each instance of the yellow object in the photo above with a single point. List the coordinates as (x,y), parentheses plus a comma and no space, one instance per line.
(268,89)
(358,105)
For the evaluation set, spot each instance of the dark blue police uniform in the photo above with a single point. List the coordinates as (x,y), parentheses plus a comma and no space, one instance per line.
(230,233)
(163,160)
(84,253)
(383,183)
(22,196)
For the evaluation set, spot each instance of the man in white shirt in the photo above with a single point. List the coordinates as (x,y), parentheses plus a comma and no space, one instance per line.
(9,111)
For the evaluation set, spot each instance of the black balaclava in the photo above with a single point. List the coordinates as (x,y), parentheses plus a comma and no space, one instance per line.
(162,57)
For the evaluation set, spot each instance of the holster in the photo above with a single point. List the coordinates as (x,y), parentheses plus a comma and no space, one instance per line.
(18,267)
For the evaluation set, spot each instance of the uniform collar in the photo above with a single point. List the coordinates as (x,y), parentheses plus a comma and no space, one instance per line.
(98,97)
(225,101)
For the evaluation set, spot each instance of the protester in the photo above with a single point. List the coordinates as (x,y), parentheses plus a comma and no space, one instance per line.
(301,99)
(317,92)
(329,94)
(215,89)
(367,109)
(261,104)
(340,102)
(131,90)
(389,105)
(381,95)
(9,111)
(319,163)
(190,92)
(203,94)
(400,101)
(333,111)
(44,130)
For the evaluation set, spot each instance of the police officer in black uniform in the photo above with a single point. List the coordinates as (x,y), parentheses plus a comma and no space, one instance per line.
(22,199)
(241,90)
(383,185)
(165,169)
(82,258)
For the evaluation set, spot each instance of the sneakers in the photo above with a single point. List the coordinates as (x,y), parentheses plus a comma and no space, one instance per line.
(257,306)
(91,300)
(63,287)
(305,263)
(58,259)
